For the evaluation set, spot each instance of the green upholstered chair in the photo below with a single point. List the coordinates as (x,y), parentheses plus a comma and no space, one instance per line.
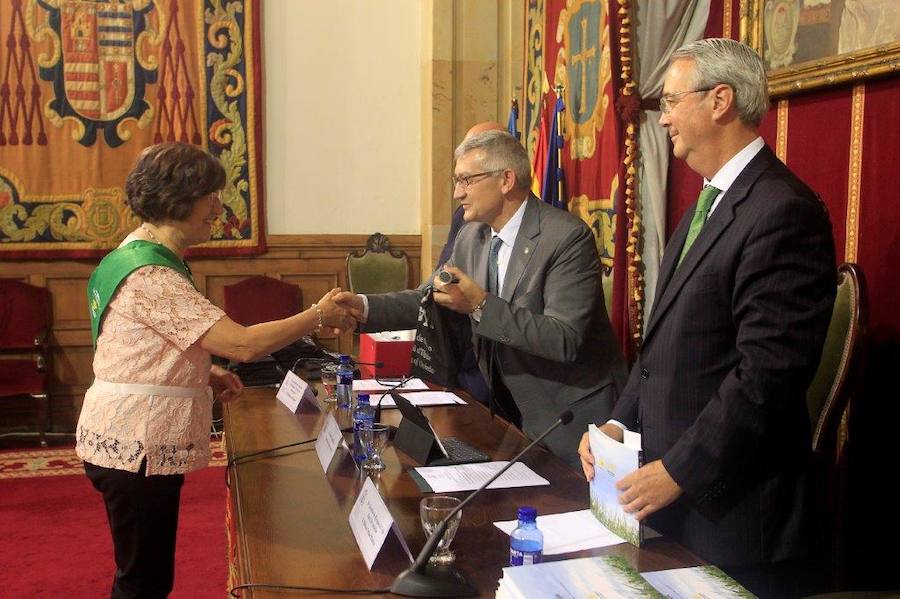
(835,384)
(835,380)
(378,268)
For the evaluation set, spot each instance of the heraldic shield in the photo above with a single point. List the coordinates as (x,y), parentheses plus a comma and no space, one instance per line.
(97,78)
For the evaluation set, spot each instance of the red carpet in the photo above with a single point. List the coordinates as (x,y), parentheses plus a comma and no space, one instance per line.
(55,540)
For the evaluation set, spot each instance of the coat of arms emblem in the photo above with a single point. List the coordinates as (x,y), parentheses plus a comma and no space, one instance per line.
(96,77)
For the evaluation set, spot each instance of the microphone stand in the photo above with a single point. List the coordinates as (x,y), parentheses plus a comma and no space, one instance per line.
(423,580)
(402,382)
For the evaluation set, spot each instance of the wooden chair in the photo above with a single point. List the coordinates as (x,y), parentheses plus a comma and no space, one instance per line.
(829,401)
(261,299)
(378,268)
(24,325)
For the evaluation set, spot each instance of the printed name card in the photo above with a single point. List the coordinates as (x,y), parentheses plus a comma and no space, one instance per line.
(371,522)
(329,438)
(293,390)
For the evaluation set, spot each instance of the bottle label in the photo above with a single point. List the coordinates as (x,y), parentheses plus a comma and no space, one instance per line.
(518,557)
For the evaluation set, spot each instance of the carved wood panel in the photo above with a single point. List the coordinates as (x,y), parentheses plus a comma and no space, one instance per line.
(316,263)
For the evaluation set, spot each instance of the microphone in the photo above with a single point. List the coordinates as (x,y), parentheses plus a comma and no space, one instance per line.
(280,366)
(330,360)
(378,364)
(446,277)
(422,580)
(388,391)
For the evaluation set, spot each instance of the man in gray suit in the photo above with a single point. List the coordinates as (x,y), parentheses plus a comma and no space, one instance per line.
(529,278)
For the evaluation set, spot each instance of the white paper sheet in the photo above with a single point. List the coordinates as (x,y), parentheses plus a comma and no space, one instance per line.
(568,532)
(699,581)
(421,399)
(468,477)
(370,385)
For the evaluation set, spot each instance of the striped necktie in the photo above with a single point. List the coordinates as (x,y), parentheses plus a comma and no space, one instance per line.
(704,203)
(493,274)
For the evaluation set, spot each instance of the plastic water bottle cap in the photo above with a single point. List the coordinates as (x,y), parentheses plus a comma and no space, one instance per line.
(362,398)
(527,513)
(345,359)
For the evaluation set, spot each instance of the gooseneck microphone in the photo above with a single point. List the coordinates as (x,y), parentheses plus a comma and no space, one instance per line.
(422,580)
(378,364)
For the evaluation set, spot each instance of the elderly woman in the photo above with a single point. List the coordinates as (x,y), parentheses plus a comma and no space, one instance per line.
(146,418)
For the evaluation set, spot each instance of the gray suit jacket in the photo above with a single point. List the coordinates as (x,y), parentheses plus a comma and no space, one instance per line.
(554,341)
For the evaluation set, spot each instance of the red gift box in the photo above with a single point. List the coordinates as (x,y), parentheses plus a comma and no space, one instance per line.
(392,348)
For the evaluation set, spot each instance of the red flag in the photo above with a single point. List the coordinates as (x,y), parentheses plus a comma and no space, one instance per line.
(539,164)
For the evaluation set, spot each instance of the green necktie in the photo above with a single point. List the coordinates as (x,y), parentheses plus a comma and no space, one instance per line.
(704,203)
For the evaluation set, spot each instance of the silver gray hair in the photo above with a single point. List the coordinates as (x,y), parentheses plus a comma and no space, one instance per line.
(501,151)
(737,65)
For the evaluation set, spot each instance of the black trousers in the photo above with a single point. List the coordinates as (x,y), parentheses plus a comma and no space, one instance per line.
(143,519)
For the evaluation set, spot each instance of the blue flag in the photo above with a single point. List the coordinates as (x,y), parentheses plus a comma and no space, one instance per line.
(512,125)
(554,187)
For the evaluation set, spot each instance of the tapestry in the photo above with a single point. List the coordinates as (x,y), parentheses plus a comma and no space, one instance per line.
(85,85)
(568,52)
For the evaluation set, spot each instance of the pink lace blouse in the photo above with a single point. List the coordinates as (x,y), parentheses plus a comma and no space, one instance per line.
(148,337)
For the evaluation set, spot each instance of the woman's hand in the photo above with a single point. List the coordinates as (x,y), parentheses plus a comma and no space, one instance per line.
(226,385)
(334,314)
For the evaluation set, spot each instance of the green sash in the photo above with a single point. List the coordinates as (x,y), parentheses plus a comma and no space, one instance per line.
(120,263)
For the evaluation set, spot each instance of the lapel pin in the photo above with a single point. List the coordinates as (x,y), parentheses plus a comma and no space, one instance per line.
(526,250)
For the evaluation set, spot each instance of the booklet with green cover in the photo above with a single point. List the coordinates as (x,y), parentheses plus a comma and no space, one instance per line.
(612,461)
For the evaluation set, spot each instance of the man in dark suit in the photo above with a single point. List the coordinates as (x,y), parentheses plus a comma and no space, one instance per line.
(742,306)
(529,278)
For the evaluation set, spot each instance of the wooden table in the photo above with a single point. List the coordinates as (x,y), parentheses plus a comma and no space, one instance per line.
(290,518)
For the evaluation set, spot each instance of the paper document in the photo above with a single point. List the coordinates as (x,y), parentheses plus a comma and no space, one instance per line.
(370,385)
(422,399)
(699,581)
(468,477)
(568,532)
(609,576)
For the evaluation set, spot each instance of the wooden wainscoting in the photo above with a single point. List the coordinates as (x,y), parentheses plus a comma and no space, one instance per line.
(316,263)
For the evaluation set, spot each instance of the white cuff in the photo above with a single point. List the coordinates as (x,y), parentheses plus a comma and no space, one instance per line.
(365,302)
(617,423)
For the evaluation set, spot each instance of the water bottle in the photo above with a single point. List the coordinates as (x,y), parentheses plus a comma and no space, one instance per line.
(363,418)
(344,387)
(526,541)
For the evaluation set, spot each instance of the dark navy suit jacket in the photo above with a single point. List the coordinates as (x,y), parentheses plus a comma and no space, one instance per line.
(718,390)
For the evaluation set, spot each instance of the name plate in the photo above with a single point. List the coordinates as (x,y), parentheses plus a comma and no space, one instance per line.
(371,522)
(294,390)
(330,438)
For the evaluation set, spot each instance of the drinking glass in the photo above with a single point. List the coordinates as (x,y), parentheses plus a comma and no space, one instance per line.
(329,381)
(374,439)
(432,510)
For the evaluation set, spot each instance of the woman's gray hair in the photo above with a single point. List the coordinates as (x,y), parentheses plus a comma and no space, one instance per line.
(501,151)
(737,65)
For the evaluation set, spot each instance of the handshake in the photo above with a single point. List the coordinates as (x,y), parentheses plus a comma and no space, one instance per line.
(341,310)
